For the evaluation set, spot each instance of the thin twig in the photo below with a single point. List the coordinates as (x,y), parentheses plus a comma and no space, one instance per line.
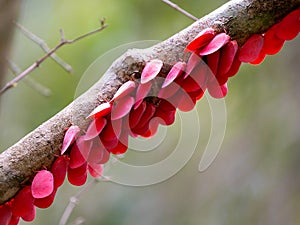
(74,200)
(176,7)
(30,82)
(102,26)
(45,47)
(36,64)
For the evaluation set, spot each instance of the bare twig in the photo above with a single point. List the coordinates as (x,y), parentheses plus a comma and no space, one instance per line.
(74,200)
(45,47)
(30,82)
(176,7)
(36,64)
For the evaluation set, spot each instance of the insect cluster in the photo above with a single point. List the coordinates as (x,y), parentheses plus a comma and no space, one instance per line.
(134,111)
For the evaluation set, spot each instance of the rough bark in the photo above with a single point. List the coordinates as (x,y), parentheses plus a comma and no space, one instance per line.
(239,18)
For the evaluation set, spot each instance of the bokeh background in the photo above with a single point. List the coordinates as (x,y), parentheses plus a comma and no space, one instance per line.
(254,179)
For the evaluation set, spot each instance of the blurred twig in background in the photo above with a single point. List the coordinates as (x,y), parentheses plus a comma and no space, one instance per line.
(176,7)
(74,200)
(45,47)
(30,82)
(37,63)
(8,12)
(78,221)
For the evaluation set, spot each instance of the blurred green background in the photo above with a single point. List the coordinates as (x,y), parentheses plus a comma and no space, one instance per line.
(255,178)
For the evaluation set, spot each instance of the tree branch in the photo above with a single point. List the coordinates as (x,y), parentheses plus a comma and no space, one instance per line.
(30,82)
(176,7)
(45,47)
(37,63)
(239,18)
